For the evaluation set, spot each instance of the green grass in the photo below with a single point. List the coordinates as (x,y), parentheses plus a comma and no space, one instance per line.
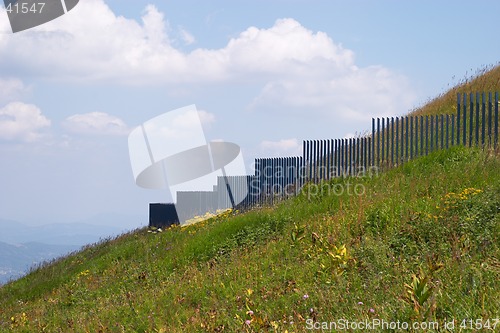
(486,79)
(420,243)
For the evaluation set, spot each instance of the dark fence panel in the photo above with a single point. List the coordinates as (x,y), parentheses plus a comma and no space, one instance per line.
(392,141)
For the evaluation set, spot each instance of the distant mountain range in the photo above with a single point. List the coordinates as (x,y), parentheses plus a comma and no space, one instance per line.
(23,246)
(16,260)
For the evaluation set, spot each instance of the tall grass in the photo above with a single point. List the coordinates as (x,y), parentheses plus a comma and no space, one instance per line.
(484,79)
(421,243)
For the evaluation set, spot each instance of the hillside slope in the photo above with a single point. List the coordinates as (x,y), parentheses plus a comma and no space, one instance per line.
(421,242)
(418,243)
(485,80)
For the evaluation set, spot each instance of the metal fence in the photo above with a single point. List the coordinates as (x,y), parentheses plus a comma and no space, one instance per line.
(392,142)
(395,140)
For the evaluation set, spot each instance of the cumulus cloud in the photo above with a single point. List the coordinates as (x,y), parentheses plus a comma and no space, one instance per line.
(96,123)
(297,68)
(357,95)
(186,36)
(206,118)
(11,89)
(22,122)
(110,46)
(283,147)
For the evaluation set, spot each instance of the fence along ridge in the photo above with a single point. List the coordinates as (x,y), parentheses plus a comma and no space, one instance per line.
(392,142)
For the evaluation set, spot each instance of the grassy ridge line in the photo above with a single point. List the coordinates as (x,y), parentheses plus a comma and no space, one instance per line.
(485,80)
(310,258)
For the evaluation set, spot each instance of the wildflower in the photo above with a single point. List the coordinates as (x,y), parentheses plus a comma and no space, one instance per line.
(248,322)
(360,303)
(372,310)
(306,296)
(250,312)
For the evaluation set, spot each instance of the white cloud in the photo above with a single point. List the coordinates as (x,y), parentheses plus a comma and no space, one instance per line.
(206,118)
(283,147)
(110,46)
(23,122)
(96,123)
(297,67)
(357,94)
(186,36)
(11,89)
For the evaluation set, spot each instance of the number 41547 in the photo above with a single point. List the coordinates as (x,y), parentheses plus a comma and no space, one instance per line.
(25,8)
(480,324)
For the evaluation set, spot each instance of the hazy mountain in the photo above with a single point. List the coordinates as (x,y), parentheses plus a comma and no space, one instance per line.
(15,260)
(23,245)
(79,233)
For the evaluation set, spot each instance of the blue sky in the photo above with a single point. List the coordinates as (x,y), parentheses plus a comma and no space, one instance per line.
(266,74)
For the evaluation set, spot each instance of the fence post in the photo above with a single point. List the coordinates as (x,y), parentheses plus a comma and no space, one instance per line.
(360,153)
(383,139)
(365,152)
(260,177)
(378,142)
(369,151)
(318,161)
(411,137)
(392,141)
(322,155)
(490,109)
(346,154)
(316,158)
(483,120)
(341,169)
(338,156)
(307,162)
(426,135)
(464,132)
(351,155)
(403,139)
(442,131)
(496,119)
(304,148)
(372,155)
(354,155)
(432,133)
(397,141)
(471,114)
(325,159)
(328,157)
(447,132)
(452,129)
(388,142)
(458,117)
(283,176)
(421,135)
(416,136)
(437,132)
(477,120)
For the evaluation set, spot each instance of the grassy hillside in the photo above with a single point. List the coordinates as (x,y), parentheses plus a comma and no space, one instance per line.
(484,80)
(420,242)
